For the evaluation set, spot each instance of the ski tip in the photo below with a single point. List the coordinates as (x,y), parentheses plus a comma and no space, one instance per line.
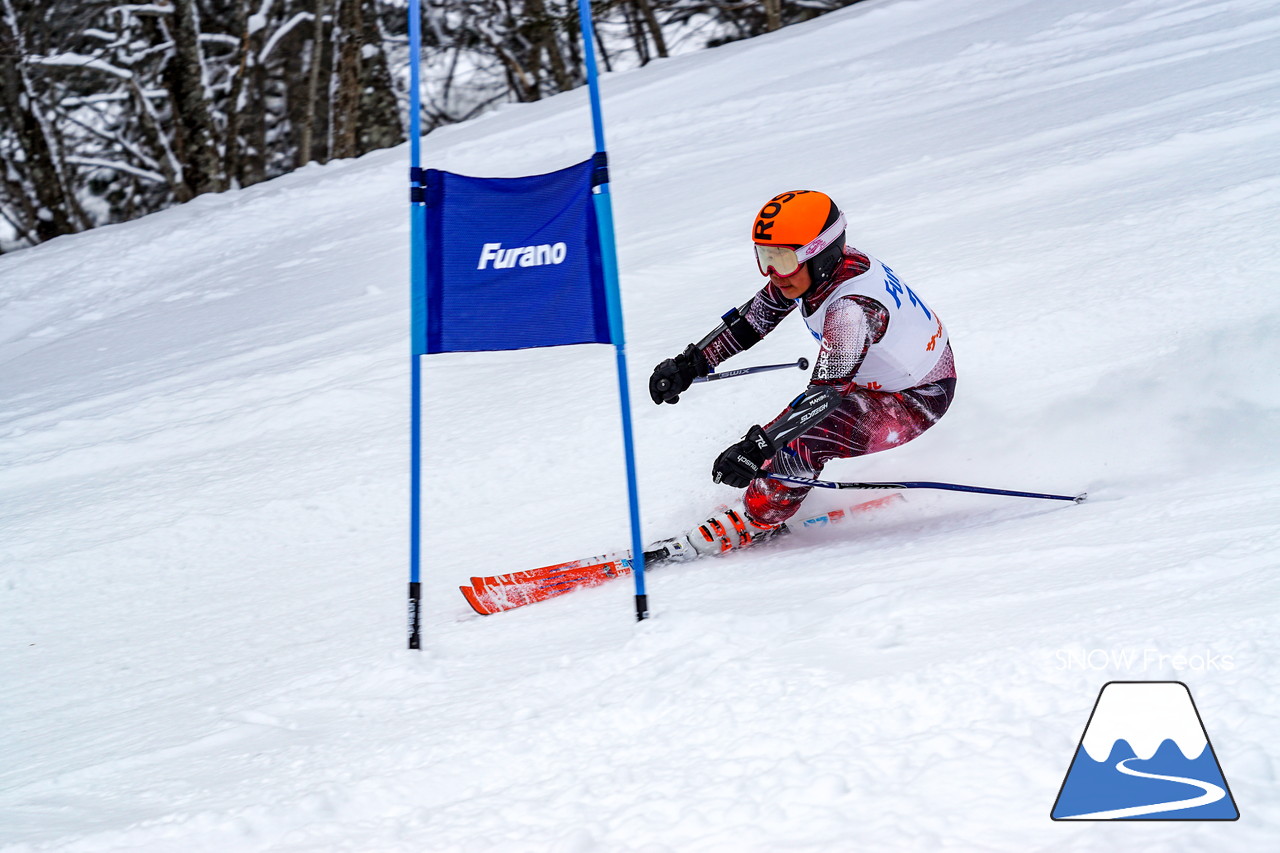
(1080,497)
(474,600)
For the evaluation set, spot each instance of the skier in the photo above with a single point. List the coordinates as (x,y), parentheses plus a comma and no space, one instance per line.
(883,375)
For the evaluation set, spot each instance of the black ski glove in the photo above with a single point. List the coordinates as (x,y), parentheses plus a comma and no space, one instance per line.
(741,463)
(673,376)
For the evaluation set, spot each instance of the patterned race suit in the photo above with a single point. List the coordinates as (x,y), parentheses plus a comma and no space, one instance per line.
(879,349)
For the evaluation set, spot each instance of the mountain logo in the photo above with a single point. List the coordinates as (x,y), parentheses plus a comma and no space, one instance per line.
(1145,755)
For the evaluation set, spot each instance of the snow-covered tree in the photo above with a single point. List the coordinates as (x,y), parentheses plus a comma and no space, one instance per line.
(111,109)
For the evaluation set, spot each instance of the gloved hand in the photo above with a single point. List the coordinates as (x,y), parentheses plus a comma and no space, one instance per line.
(741,463)
(673,376)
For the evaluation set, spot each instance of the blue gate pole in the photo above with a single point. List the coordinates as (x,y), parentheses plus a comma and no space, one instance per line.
(604,221)
(418,343)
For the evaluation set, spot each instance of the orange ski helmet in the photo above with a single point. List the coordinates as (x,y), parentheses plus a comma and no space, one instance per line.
(799,227)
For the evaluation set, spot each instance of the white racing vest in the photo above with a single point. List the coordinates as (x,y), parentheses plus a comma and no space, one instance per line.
(913,341)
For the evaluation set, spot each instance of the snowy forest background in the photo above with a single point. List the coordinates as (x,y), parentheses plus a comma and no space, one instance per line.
(110,111)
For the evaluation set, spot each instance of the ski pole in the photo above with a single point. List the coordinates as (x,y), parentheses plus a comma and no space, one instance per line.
(950,487)
(802,363)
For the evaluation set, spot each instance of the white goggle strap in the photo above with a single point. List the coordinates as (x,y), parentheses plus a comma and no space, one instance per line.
(822,241)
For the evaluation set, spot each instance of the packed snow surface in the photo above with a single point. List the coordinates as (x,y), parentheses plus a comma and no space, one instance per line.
(204,473)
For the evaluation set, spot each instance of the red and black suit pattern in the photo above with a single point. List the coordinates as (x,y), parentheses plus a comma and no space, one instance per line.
(867,420)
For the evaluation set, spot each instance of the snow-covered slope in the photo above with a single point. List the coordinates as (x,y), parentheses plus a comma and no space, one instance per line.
(203,487)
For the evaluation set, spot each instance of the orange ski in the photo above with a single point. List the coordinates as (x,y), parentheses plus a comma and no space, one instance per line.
(507,592)
(499,593)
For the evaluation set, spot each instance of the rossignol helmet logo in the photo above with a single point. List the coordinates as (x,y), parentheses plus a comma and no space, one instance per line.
(521,256)
(765,221)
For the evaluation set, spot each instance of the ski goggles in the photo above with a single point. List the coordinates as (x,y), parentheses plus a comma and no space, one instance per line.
(785,261)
